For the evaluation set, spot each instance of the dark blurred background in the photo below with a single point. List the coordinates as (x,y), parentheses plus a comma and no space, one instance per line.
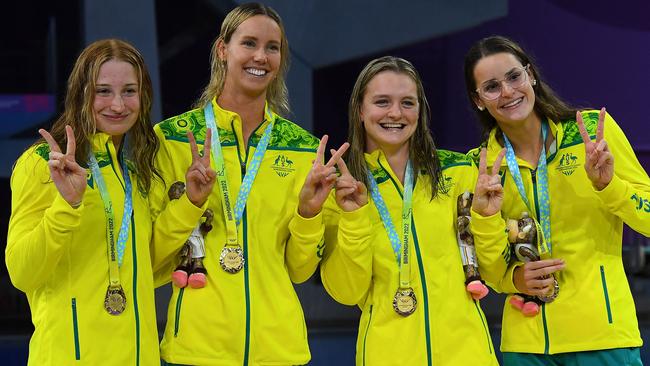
(592,53)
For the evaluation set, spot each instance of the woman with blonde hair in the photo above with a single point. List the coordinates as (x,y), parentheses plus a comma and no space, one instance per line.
(266,231)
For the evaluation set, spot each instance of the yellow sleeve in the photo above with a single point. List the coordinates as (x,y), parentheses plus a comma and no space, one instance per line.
(628,194)
(173,220)
(346,269)
(42,224)
(304,247)
(492,248)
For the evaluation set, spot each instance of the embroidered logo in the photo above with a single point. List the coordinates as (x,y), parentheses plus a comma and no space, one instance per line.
(641,203)
(568,164)
(447,183)
(282,165)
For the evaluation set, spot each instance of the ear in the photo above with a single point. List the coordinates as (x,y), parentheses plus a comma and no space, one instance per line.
(479,103)
(221,50)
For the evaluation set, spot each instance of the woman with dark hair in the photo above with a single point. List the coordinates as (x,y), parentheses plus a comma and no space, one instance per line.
(80,228)
(398,258)
(266,231)
(559,170)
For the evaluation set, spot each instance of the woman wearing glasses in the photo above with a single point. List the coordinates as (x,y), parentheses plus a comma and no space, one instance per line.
(559,168)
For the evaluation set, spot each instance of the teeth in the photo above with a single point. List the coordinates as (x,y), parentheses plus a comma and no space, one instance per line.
(392,125)
(513,103)
(256,72)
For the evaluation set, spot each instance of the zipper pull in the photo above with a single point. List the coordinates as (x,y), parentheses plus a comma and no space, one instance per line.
(243,168)
(533,176)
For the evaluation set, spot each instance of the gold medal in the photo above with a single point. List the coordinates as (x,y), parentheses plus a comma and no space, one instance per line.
(405,302)
(232,259)
(115,300)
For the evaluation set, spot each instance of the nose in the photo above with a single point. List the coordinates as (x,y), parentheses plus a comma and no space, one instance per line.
(117,104)
(395,111)
(260,55)
(506,88)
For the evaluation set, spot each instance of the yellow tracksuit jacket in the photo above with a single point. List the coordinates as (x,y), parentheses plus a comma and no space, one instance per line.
(594,309)
(359,267)
(57,255)
(252,317)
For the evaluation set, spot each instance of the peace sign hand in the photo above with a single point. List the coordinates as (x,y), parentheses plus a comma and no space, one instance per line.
(68,176)
(319,181)
(488,194)
(350,193)
(599,161)
(199,178)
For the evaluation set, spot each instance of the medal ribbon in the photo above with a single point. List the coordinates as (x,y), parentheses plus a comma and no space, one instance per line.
(400,248)
(233,218)
(541,187)
(115,255)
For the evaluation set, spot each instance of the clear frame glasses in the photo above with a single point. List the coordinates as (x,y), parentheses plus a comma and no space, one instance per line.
(515,78)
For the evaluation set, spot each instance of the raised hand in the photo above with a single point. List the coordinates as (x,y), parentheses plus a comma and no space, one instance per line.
(488,194)
(68,176)
(350,193)
(599,161)
(200,177)
(319,181)
(529,278)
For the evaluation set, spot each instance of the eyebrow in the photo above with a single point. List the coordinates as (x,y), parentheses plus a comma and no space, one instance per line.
(130,84)
(378,96)
(506,74)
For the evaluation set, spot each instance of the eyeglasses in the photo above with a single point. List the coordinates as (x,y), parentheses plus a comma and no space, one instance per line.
(515,78)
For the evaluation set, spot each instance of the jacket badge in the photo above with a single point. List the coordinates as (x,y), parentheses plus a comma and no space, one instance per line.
(568,164)
(447,183)
(282,165)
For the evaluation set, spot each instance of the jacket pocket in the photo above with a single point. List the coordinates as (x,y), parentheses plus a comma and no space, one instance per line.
(177,317)
(75,330)
(604,281)
(365,336)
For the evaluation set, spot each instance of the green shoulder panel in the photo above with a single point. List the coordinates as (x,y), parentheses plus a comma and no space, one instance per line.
(449,159)
(43,150)
(474,155)
(175,128)
(572,133)
(287,135)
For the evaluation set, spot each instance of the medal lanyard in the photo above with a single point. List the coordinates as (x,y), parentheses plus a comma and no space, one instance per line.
(233,218)
(115,259)
(401,249)
(541,187)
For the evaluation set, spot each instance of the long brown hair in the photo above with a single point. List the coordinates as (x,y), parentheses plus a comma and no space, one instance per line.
(547,103)
(276,94)
(422,150)
(78,112)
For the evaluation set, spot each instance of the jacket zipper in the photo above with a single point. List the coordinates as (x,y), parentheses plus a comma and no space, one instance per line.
(533,177)
(242,165)
(423,279)
(125,170)
(365,336)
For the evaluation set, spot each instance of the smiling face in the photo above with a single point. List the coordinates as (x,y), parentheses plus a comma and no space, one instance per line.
(252,56)
(117,99)
(513,105)
(389,111)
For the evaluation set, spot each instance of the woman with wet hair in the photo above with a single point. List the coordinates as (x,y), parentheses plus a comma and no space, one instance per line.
(397,257)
